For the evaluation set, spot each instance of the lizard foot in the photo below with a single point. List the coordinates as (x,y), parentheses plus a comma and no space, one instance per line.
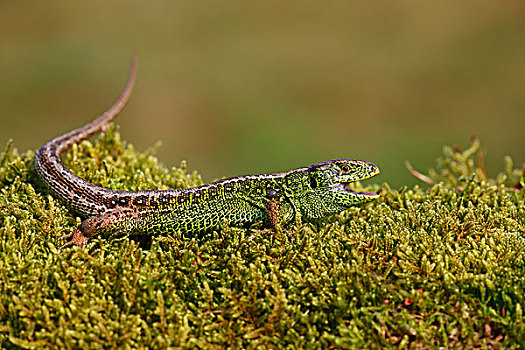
(77,238)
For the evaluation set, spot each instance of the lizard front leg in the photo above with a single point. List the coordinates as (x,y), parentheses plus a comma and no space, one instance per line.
(280,211)
(273,210)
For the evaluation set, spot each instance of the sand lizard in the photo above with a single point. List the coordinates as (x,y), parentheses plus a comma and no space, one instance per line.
(273,200)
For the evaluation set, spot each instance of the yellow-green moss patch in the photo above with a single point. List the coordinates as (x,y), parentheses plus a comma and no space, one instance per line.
(440,266)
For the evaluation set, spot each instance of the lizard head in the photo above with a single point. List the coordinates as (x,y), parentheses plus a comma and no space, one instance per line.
(328,190)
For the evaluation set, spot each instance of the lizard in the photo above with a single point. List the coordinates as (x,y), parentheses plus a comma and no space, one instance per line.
(270,200)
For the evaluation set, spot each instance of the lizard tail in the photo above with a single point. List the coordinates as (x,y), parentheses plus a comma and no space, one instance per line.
(64,142)
(57,177)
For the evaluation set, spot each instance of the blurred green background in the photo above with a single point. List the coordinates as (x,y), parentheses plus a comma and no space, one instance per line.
(249,87)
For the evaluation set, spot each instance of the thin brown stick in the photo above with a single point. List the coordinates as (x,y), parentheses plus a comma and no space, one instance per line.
(417,174)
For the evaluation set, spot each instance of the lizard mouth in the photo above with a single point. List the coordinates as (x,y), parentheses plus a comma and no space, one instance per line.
(345,186)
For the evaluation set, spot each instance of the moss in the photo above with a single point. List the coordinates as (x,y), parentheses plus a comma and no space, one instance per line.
(442,266)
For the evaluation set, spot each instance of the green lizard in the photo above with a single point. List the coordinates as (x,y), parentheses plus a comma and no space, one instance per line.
(272,200)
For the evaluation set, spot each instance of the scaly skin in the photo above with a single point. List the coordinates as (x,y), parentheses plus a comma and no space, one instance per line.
(272,200)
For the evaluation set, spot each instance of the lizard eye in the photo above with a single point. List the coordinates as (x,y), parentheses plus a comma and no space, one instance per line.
(345,168)
(313,182)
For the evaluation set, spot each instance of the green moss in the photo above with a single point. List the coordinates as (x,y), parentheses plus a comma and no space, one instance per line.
(442,266)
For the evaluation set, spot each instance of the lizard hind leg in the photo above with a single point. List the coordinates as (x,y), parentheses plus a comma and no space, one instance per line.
(82,233)
(106,224)
(77,238)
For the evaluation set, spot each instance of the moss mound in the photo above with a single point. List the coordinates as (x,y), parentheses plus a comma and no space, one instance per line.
(437,267)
